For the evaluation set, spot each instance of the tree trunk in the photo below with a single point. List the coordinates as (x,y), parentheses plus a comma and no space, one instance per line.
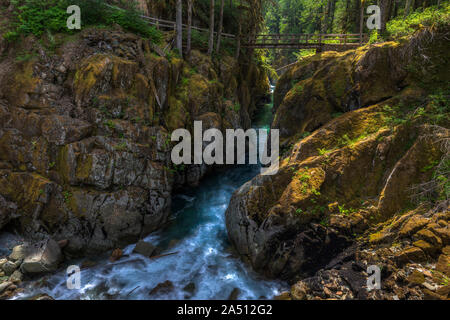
(179,22)
(385,6)
(394,10)
(142,6)
(356,15)
(332,11)
(328,16)
(189,28)
(407,7)
(361,22)
(346,21)
(211,28)
(238,41)
(219,32)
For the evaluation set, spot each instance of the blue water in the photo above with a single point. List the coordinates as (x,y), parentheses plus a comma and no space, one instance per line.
(205,260)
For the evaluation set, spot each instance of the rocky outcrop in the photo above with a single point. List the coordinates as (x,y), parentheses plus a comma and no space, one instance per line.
(411,251)
(322,87)
(354,171)
(85,133)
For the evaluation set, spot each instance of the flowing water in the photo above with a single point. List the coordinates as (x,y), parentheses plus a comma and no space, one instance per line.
(205,265)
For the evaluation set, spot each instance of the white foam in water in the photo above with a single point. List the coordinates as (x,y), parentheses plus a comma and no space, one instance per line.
(205,258)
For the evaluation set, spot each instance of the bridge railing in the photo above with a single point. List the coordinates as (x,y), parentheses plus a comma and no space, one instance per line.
(312,40)
(168,24)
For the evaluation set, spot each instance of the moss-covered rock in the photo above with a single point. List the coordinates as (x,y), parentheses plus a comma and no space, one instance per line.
(353,171)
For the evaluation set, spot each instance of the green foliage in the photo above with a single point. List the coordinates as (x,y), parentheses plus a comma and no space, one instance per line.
(38,16)
(441,176)
(110,124)
(375,37)
(344,211)
(435,111)
(298,89)
(304,53)
(11,36)
(431,16)
(121,146)
(25,57)
(67,195)
(323,151)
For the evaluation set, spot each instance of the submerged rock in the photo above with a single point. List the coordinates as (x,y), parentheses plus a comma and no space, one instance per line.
(234,295)
(116,255)
(144,248)
(162,288)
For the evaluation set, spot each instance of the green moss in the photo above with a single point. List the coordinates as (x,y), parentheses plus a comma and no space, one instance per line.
(84,167)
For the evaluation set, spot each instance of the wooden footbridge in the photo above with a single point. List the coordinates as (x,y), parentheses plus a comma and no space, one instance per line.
(320,42)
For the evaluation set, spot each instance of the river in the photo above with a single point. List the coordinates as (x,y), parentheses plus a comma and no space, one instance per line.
(205,267)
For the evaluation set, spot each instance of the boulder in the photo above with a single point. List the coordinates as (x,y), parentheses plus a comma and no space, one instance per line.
(409,255)
(116,255)
(16,277)
(62,130)
(9,267)
(4,286)
(44,257)
(144,248)
(2,262)
(7,211)
(19,252)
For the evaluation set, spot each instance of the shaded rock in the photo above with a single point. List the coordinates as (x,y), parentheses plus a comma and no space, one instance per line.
(413,225)
(88,264)
(116,255)
(7,211)
(189,289)
(62,130)
(16,277)
(2,262)
(162,288)
(425,246)
(430,237)
(443,264)
(4,286)
(409,255)
(234,295)
(144,248)
(416,277)
(9,267)
(284,296)
(41,296)
(44,257)
(63,243)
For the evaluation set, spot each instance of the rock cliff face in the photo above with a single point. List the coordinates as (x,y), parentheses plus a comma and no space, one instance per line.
(363,144)
(85,124)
